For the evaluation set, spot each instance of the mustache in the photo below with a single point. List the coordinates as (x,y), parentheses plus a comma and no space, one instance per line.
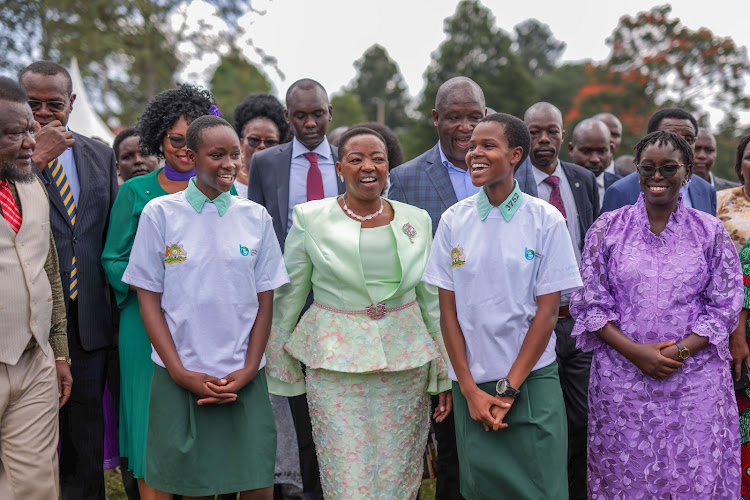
(11,173)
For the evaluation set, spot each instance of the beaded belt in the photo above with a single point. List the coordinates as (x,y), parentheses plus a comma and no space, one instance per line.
(375,311)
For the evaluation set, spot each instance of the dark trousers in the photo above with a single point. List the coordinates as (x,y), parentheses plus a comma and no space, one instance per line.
(82,421)
(574,367)
(447,486)
(308,460)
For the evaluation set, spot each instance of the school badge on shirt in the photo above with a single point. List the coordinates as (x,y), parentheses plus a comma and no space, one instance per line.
(458,257)
(174,253)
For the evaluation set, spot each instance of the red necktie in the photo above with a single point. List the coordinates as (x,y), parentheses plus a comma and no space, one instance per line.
(555,197)
(8,204)
(314,179)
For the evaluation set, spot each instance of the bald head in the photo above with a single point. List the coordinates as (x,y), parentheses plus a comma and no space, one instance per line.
(546,129)
(461,89)
(459,105)
(591,146)
(614,126)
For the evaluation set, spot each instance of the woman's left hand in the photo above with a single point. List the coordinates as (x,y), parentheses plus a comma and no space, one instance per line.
(232,383)
(444,407)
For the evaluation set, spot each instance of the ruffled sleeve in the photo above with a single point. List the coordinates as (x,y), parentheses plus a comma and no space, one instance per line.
(285,377)
(593,306)
(723,295)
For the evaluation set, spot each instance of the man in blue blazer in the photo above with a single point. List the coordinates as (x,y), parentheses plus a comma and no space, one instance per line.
(81,180)
(591,147)
(572,189)
(698,193)
(282,177)
(433,181)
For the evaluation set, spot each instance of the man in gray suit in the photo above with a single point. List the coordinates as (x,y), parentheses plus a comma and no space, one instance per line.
(282,177)
(573,190)
(81,180)
(705,157)
(433,181)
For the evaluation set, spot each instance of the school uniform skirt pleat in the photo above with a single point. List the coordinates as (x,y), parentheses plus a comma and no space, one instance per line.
(527,459)
(370,431)
(211,449)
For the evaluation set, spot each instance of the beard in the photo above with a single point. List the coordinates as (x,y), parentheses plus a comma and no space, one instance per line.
(10,172)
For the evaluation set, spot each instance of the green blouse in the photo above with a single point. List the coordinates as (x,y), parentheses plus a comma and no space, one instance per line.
(377,248)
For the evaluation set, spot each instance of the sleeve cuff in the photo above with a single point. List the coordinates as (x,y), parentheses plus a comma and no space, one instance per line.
(589,322)
(716,335)
(279,388)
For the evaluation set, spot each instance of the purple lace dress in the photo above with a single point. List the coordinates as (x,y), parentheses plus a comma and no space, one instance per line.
(678,437)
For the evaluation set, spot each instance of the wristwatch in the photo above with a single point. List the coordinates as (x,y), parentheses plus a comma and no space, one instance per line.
(63,358)
(503,388)
(684,352)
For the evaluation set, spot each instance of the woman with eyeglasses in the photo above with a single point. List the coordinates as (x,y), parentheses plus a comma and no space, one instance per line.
(259,122)
(661,294)
(162,128)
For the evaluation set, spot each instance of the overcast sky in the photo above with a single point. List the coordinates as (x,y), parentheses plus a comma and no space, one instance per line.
(321,39)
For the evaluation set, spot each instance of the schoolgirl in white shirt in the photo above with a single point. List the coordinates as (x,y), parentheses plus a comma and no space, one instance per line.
(205,264)
(500,260)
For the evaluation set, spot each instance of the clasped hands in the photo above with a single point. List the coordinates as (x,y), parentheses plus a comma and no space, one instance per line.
(487,409)
(212,390)
(659,360)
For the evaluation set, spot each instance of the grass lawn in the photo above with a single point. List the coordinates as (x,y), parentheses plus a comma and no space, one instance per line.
(115,490)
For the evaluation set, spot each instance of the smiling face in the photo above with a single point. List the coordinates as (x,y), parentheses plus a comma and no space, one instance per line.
(705,153)
(363,162)
(16,140)
(455,117)
(308,113)
(659,190)
(132,161)
(217,160)
(176,157)
(49,89)
(490,159)
(547,134)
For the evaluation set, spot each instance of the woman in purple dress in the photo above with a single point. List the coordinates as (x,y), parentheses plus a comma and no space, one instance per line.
(662,292)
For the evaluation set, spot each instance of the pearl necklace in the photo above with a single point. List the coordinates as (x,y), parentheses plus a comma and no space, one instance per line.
(359,217)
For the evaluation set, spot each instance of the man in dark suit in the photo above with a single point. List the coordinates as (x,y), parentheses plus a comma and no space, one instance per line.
(591,147)
(698,193)
(81,180)
(705,157)
(282,177)
(572,190)
(434,181)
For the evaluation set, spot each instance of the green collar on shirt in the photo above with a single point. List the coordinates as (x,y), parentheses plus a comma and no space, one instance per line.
(507,208)
(197,199)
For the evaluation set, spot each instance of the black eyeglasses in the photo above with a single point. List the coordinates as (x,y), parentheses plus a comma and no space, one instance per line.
(664,170)
(177,141)
(54,106)
(254,142)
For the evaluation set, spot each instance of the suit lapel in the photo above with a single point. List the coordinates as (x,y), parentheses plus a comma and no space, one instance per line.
(525,178)
(283,169)
(575,185)
(339,182)
(54,194)
(441,181)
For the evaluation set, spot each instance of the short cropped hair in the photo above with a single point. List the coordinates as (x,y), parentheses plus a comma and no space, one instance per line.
(304,84)
(516,133)
(194,134)
(48,68)
(680,114)
(354,132)
(124,134)
(392,142)
(11,90)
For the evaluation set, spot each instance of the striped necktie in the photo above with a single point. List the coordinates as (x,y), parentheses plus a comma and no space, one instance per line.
(61,181)
(8,204)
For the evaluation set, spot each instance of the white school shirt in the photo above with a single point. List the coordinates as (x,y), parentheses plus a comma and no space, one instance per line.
(497,268)
(209,270)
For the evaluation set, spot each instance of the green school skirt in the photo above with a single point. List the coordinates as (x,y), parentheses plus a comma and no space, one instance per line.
(526,460)
(207,450)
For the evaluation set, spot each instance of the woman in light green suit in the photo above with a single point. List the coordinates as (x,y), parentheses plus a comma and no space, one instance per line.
(371,341)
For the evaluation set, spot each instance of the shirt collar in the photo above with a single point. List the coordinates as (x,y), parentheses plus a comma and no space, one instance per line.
(323,149)
(600,179)
(446,162)
(540,175)
(711,179)
(508,207)
(197,199)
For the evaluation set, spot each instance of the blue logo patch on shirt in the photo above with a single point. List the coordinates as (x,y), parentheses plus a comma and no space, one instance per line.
(244,251)
(530,254)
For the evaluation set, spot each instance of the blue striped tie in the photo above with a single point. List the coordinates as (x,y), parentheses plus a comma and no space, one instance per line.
(61,181)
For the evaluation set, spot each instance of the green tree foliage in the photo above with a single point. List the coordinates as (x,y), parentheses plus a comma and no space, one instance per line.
(234,78)
(474,47)
(682,65)
(381,88)
(728,137)
(537,48)
(347,110)
(126,49)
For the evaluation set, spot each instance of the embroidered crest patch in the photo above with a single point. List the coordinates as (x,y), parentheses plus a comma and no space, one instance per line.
(458,257)
(174,253)
(244,251)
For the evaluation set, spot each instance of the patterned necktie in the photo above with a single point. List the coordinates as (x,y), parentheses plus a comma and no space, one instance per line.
(8,204)
(555,197)
(314,178)
(61,181)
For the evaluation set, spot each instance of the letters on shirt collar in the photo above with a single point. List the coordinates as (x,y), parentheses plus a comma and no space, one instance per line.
(508,207)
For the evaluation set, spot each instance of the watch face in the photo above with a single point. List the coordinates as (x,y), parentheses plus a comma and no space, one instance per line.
(502,385)
(684,355)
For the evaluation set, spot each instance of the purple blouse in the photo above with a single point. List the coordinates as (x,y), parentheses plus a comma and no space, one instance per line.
(676,437)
